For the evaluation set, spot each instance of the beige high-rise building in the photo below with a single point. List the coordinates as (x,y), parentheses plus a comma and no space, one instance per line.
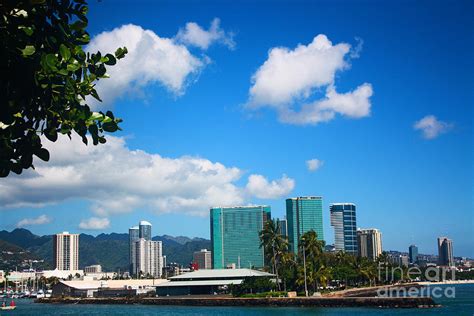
(370,243)
(203,259)
(66,251)
(149,257)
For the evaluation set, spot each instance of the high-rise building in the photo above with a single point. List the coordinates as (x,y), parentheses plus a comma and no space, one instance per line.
(66,251)
(203,259)
(144,230)
(369,243)
(343,219)
(445,252)
(413,253)
(283,227)
(235,236)
(304,214)
(146,256)
(133,236)
(149,257)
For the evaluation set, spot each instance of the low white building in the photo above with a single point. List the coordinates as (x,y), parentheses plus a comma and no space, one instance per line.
(104,288)
(206,282)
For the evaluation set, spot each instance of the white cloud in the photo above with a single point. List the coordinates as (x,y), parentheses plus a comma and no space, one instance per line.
(194,35)
(150,59)
(431,127)
(290,77)
(40,220)
(314,164)
(94,223)
(116,179)
(260,187)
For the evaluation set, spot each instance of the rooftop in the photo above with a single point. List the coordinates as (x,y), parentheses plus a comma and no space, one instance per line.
(145,223)
(220,273)
(114,284)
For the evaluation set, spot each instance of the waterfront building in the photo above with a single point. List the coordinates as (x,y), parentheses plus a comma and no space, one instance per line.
(235,235)
(133,236)
(203,259)
(66,251)
(207,282)
(303,214)
(283,227)
(95,268)
(413,254)
(343,219)
(445,252)
(369,243)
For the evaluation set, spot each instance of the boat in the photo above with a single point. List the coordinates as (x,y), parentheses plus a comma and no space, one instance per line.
(8,308)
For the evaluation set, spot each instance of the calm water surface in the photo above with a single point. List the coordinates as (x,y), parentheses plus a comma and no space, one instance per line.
(463,304)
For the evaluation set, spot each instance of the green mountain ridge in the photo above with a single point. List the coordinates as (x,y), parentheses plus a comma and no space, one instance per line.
(109,250)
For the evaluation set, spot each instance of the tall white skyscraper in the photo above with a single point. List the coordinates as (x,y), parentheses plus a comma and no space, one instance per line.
(66,251)
(146,256)
(370,243)
(149,257)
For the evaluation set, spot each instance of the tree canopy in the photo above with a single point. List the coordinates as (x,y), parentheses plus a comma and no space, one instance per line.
(47,79)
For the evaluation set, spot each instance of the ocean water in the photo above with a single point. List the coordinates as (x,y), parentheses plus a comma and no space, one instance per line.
(462,304)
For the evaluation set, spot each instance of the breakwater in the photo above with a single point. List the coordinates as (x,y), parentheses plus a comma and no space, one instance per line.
(382,302)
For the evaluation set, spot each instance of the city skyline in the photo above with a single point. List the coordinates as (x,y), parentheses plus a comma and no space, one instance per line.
(219,130)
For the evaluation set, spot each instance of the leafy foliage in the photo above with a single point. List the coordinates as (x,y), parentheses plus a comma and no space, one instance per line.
(253,284)
(47,79)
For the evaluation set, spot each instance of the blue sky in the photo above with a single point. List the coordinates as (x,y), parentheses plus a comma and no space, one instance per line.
(229,145)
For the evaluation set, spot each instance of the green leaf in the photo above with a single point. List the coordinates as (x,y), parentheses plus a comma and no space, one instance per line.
(65,53)
(52,134)
(43,154)
(120,52)
(73,67)
(110,127)
(28,30)
(28,50)
(110,60)
(96,116)
(51,61)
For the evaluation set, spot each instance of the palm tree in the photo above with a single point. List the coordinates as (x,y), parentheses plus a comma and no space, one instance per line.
(312,249)
(274,245)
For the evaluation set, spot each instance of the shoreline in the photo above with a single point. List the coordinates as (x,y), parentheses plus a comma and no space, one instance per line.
(376,302)
(447,282)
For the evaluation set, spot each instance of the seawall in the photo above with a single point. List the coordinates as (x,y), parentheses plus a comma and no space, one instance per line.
(383,302)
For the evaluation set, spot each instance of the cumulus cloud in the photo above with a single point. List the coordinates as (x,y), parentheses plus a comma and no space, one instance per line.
(194,35)
(94,223)
(292,77)
(260,187)
(40,220)
(314,164)
(116,179)
(431,127)
(150,59)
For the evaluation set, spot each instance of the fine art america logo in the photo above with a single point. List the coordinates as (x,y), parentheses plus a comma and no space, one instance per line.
(431,274)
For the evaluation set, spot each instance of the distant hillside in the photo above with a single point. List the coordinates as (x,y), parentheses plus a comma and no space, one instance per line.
(109,250)
(14,257)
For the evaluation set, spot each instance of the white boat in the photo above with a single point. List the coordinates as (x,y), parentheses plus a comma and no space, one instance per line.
(7,308)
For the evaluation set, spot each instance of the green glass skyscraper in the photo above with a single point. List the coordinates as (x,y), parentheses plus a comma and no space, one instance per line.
(304,214)
(235,236)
